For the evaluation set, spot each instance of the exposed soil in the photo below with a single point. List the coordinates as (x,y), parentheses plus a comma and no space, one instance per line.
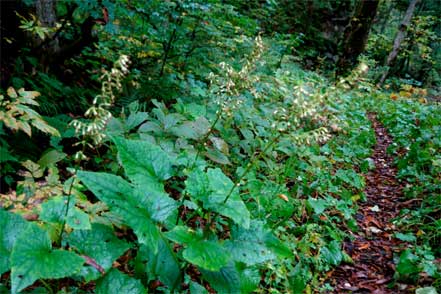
(374,245)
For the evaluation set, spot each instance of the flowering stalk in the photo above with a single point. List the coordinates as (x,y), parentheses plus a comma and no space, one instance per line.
(98,114)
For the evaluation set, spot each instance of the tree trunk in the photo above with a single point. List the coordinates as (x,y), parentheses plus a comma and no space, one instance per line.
(46,14)
(398,39)
(356,34)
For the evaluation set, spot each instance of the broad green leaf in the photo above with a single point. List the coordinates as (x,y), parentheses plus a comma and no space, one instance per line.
(220,145)
(212,189)
(181,235)
(219,182)
(115,282)
(217,156)
(197,185)
(171,120)
(160,206)
(145,164)
(209,255)
(299,277)
(408,263)
(11,226)
(234,207)
(5,290)
(150,126)
(115,127)
(193,109)
(5,155)
(255,245)
(318,205)
(162,265)
(249,279)
(247,248)
(135,119)
(54,210)
(405,237)
(192,129)
(226,280)
(78,219)
(278,247)
(33,258)
(124,200)
(195,288)
(367,165)
(51,157)
(350,177)
(426,290)
(99,243)
(332,253)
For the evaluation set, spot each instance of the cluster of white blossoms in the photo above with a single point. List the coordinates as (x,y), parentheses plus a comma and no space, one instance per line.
(229,83)
(98,114)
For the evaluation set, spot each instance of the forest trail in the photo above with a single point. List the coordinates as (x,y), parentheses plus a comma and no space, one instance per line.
(374,245)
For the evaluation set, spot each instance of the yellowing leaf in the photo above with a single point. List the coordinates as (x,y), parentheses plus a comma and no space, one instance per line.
(393,96)
(11,93)
(284,197)
(28,94)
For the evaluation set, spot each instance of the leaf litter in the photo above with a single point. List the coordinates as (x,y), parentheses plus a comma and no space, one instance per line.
(374,245)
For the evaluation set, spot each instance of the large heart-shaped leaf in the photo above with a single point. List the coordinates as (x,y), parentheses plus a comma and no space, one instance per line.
(145,164)
(332,253)
(11,226)
(213,188)
(163,265)
(99,243)
(33,258)
(255,245)
(233,207)
(232,280)
(126,201)
(115,282)
(192,129)
(197,185)
(207,254)
(54,210)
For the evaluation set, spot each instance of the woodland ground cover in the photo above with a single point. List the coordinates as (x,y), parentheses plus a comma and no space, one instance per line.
(193,152)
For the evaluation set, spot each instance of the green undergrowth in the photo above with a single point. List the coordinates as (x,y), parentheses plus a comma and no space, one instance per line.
(416,130)
(179,147)
(253,193)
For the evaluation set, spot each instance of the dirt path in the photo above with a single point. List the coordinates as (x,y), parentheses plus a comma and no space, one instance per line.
(374,245)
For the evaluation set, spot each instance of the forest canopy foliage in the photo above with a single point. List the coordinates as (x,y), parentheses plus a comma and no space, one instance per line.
(212,146)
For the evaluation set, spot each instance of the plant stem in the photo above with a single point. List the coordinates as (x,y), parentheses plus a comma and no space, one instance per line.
(206,137)
(250,165)
(47,286)
(69,194)
(237,183)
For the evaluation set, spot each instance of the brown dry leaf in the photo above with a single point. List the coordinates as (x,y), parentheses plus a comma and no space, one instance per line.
(284,197)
